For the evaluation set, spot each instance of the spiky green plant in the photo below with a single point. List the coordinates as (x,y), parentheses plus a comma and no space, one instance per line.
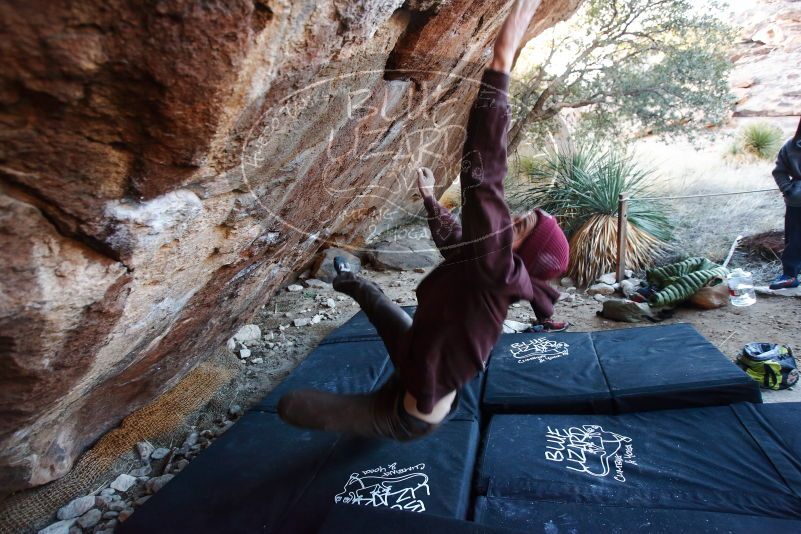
(581,187)
(761,140)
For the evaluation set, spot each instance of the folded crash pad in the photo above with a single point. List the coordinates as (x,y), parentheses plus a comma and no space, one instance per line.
(347,518)
(265,476)
(541,517)
(726,459)
(347,367)
(244,482)
(546,373)
(431,475)
(670,366)
(612,371)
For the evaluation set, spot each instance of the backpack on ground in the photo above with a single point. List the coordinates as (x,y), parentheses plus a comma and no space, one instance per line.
(772,365)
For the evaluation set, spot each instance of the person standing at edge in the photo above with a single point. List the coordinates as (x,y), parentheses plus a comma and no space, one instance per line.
(463,302)
(788,177)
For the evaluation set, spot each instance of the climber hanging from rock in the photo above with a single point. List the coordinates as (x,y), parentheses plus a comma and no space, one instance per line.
(491,261)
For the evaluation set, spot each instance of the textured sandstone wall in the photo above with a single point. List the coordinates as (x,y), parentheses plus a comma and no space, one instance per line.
(166,165)
(766,77)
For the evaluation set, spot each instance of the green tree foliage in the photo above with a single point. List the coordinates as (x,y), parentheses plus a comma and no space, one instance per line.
(630,65)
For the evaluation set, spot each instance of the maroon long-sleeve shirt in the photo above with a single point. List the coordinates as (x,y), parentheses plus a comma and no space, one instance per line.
(463,302)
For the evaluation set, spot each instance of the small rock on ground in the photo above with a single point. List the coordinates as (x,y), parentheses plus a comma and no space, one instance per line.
(317,284)
(191,439)
(248,332)
(404,254)
(600,289)
(60,527)
(81,505)
(125,514)
(90,518)
(294,288)
(118,506)
(145,449)
(629,287)
(160,453)
(141,471)
(155,484)
(608,278)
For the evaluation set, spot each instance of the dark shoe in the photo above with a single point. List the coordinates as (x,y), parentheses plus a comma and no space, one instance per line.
(784,282)
(341,265)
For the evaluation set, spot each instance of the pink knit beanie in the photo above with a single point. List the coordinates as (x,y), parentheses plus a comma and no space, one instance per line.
(545,251)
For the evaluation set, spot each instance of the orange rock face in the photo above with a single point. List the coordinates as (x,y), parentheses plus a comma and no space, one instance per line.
(164,167)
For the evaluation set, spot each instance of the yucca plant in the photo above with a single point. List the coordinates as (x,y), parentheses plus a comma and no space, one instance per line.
(581,187)
(761,140)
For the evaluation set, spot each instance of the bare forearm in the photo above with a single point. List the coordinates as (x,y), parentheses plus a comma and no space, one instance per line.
(510,38)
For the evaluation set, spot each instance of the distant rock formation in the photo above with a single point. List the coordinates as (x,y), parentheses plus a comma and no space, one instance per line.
(767,74)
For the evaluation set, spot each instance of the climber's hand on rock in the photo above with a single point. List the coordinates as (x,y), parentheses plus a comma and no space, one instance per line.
(425,182)
(510,38)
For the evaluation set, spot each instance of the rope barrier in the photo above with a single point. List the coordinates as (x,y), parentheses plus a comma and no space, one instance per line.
(706,195)
(622,221)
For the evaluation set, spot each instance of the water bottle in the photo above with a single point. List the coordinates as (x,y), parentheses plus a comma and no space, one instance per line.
(741,288)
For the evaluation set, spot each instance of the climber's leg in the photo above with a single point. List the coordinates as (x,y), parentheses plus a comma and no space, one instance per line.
(377,415)
(391,322)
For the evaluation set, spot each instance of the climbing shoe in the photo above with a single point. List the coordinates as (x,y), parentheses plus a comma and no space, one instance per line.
(341,265)
(549,325)
(784,282)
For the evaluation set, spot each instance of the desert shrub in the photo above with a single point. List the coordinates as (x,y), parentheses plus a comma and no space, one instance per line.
(760,140)
(581,187)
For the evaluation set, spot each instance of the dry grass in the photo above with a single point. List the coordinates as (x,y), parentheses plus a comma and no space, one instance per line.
(708,226)
(593,249)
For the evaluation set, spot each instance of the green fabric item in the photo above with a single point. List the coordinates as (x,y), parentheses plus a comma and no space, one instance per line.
(679,281)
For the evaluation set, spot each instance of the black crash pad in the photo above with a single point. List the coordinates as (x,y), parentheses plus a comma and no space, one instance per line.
(345,518)
(722,459)
(244,482)
(347,367)
(552,518)
(612,371)
(358,328)
(546,373)
(265,476)
(431,475)
(669,366)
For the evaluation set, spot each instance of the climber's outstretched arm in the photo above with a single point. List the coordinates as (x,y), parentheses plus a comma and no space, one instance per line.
(487,232)
(445,229)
